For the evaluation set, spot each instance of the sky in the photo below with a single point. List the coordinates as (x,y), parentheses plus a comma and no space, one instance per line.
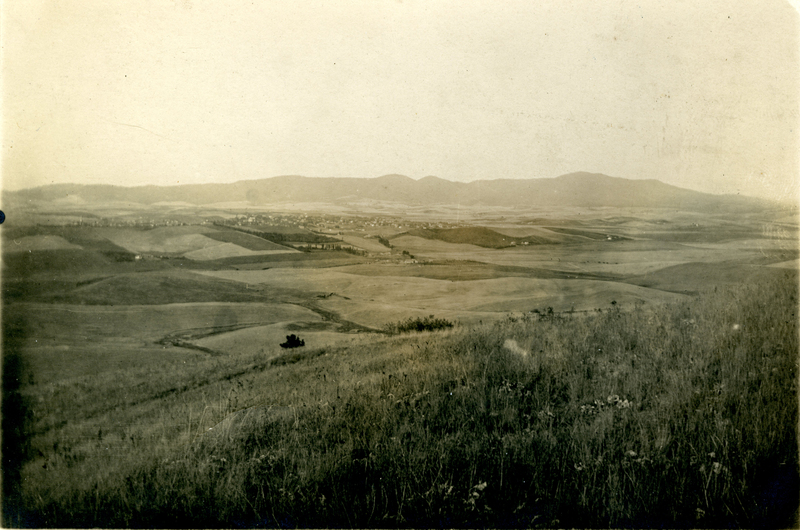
(702,95)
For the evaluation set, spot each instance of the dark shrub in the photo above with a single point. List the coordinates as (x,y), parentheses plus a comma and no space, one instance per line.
(429,323)
(293,341)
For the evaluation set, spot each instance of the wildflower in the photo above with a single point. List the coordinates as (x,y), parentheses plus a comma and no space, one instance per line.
(712,455)
(631,454)
(613,399)
(506,387)
(474,495)
(579,467)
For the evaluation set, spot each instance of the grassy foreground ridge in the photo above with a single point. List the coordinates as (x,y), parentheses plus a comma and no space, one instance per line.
(683,416)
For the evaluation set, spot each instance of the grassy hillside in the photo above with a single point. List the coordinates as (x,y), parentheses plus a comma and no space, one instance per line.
(698,277)
(683,416)
(480,236)
(589,234)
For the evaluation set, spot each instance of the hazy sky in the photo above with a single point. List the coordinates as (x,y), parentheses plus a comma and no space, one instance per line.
(697,94)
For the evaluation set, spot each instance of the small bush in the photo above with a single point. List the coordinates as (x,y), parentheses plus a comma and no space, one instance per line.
(293,341)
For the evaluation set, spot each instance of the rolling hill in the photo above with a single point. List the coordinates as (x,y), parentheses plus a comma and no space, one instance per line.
(572,190)
(480,236)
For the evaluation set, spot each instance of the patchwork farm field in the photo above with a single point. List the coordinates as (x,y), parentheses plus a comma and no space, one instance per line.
(129,349)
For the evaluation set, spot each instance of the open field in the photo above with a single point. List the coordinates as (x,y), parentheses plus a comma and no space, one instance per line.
(606,257)
(536,232)
(498,295)
(698,277)
(461,270)
(144,382)
(370,245)
(266,340)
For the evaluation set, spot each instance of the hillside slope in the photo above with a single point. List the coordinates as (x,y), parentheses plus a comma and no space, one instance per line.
(480,236)
(681,417)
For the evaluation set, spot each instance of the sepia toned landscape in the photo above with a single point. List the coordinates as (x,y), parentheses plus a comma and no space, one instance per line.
(460,365)
(400,264)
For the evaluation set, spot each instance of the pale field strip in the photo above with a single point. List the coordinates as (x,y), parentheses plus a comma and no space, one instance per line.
(370,245)
(229,250)
(165,239)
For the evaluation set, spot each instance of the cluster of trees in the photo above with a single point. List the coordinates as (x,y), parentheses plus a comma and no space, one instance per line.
(331,246)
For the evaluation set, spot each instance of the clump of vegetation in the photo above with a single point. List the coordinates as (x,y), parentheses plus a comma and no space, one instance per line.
(429,323)
(293,341)
(684,416)
(546,314)
(385,242)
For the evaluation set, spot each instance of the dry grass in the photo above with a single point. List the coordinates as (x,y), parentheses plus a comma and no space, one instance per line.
(681,416)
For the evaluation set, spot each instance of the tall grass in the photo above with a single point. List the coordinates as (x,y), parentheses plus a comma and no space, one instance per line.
(681,417)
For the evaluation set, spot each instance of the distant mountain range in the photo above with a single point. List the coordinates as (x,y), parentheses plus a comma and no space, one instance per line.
(572,190)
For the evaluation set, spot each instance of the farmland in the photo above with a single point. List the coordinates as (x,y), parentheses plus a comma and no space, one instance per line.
(126,343)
